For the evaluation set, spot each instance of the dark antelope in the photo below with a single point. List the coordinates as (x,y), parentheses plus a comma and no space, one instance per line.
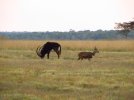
(87,55)
(46,49)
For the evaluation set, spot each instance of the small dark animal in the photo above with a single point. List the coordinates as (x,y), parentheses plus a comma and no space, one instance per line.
(46,49)
(87,55)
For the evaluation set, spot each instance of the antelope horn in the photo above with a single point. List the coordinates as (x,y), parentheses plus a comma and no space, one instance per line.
(38,51)
(95,47)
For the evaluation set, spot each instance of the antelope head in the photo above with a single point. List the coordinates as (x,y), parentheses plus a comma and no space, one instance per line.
(96,50)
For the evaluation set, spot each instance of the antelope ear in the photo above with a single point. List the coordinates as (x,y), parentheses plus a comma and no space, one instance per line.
(95,47)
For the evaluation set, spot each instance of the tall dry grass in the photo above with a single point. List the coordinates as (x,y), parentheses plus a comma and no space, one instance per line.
(104,45)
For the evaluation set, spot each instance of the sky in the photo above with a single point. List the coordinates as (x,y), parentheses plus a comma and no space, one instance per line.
(63,15)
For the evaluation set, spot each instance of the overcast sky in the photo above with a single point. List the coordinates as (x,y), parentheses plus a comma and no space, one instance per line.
(63,15)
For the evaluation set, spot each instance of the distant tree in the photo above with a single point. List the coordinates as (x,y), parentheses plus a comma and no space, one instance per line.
(71,30)
(125,27)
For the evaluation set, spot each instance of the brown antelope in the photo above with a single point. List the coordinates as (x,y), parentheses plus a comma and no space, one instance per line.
(87,55)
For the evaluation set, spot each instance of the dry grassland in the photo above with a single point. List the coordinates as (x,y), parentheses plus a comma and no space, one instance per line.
(108,76)
(104,45)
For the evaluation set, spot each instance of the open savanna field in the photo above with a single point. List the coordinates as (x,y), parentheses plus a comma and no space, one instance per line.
(109,75)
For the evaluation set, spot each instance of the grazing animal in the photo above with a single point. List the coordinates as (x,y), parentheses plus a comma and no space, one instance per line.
(87,55)
(46,49)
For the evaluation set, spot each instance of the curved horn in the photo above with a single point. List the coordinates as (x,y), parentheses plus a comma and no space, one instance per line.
(38,51)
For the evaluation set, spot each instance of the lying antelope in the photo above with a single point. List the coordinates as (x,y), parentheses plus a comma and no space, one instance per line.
(87,55)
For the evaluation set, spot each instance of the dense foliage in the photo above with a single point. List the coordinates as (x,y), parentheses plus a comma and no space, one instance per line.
(125,27)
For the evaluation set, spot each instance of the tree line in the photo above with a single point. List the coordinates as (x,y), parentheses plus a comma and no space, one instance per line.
(125,29)
(70,35)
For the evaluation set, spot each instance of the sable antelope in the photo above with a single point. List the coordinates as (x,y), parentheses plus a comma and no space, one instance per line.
(46,49)
(87,55)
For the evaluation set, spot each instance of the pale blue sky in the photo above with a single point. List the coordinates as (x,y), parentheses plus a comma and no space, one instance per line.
(63,15)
